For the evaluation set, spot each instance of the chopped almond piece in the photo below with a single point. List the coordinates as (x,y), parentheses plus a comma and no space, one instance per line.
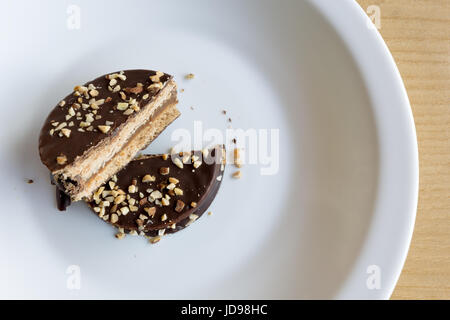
(180,206)
(104,129)
(150,211)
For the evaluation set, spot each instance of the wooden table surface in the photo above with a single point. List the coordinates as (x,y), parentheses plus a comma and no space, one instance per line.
(418,34)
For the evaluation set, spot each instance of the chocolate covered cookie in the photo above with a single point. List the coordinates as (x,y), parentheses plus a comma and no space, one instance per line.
(98,128)
(160,194)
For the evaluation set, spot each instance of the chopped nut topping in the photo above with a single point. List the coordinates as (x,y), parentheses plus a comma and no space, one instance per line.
(164,170)
(155,86)
(197,164)
(139,222)
(128,112)
(89,118)
(62,159)
(185,158)
(62,103)
(114,218)
(80,89)
(133,208)
(104,204)
(132,188)
(71,111)
(161,232)
(93,93)
(178,191)
(165,202)
(156,194)
(150,211)
(165,156)
(219,178)
(66,132)
(179,206)
(104,129)
(60,126)
(122,106)
(193,204)
(193,216)
(173,180)
(120,235)
(106,193)
(113,208)
(143,201)
(119,199)
(178,163)
(145,96)
(157,76)
(148,178)
(237,174)
(124,210)
(135,90)
(164,217)
(171,186)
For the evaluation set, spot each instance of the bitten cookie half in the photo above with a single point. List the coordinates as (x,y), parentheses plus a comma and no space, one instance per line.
(160,194)
(97,129)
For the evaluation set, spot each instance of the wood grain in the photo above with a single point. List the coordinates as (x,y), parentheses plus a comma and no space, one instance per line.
(418,34)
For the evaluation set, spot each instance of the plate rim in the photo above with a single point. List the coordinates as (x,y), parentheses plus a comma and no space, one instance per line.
(368,48)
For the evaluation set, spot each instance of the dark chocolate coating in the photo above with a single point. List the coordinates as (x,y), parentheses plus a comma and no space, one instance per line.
(62,199)
(51,146)
(200,186)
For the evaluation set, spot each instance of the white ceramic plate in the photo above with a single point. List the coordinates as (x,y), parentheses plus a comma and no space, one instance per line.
(336,218)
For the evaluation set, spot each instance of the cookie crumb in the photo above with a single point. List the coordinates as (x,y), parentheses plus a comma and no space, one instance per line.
(30,181)
(237,158)
(237,174)
(155,239)
(120,235)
